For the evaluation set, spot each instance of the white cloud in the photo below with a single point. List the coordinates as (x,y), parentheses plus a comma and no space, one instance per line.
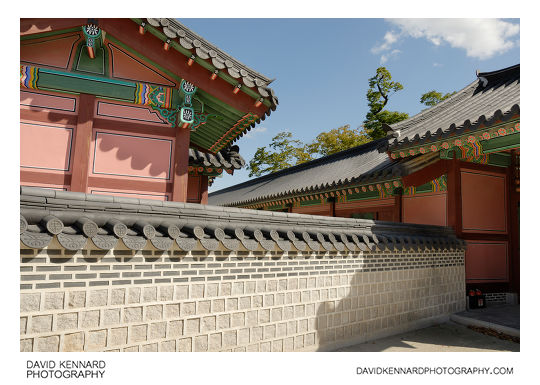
(386,56)
(389,38)
(480,38)
(250,134)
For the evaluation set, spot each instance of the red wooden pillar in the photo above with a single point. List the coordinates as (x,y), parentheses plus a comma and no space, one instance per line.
(513,222)
(397,217)
(203,188)
(181,159)
(454,197)
(82,140)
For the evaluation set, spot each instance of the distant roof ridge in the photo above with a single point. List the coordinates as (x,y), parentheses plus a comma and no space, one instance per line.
(366,146)
(452,99)
(434,109)
(477,102)
(500,71)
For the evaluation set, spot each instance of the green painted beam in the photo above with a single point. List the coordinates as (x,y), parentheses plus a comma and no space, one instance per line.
(313,202)
(232,115)
(89,84)
(208,134)
(447,154)
(499,159)
(226,119)
(363,195)
(501,143)
(201,141)
(427,187)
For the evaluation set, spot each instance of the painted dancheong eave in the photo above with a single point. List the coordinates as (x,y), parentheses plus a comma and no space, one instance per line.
(126,54)
(101,85)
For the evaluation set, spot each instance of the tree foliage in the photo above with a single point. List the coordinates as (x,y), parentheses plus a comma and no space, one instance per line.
(336,140)
(433,97)
(381,87)
(284,151)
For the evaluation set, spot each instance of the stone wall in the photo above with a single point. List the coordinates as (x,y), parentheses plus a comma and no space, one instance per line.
(124,300)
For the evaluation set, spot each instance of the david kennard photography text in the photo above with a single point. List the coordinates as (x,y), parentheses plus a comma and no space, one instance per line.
(65,369)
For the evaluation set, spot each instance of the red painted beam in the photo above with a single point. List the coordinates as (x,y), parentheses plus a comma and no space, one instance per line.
(134,127)
(181,160)
(81,145)
(398,214)
(480,167)
(129,184)
(42,177)
(204,189)
(427,174)
(513,225)
(453,199)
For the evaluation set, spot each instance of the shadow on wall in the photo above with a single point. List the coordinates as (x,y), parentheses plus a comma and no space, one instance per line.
(123,154)
(377,304)
(143,151)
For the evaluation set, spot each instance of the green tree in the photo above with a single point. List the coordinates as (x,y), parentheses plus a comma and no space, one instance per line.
(381,87)
(337,139)
(433,97)
(287,152)
(284,151)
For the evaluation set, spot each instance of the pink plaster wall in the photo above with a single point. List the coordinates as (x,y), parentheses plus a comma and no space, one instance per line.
(427,209)
(486,261)
(46,146)
(483,202)
(41,101)
(131,155)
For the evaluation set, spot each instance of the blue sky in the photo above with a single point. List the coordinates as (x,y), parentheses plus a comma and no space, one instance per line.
(322,66)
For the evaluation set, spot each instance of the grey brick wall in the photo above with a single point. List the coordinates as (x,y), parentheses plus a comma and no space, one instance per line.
(223,301)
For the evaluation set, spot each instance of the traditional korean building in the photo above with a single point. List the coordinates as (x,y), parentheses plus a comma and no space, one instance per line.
(142,108)
(124,123)
(455,164)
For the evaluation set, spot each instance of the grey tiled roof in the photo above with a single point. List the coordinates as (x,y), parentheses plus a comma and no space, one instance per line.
(493,96)
(75,221)
(227,159)
(357,165)
(188,39)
